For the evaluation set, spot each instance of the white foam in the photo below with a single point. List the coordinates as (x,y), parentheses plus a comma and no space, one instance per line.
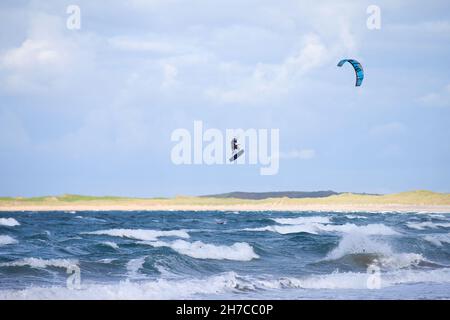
(107,260)
(352,216)
(133,267)
(141,234)
(437,216)
(302,220)
(159,289)
(5,240)
(240,251)
(358,280)
(386,257)
(166,273)
(369,229)
(90,219)
(358,243)
(9,222)
(427,224)
(111,244)
(416,276)
(312,229)
(42,263)
(220,284)
(316,228)
(402,260)
(438,239)
(334,280)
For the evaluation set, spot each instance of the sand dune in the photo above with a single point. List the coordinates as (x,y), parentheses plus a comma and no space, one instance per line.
(414,201)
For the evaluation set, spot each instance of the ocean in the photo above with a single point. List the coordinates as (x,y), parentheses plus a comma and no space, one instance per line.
(224,255)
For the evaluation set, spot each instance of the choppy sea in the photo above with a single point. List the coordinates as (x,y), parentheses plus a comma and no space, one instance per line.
(224,255)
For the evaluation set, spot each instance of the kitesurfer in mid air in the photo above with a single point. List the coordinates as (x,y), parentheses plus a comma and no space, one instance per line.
(236,152)
(234,145)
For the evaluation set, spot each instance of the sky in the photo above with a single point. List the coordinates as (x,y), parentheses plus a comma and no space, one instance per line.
(91,110)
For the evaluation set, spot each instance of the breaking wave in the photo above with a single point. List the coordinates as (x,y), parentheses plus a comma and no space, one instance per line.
(225,283)
(159,289)
(133,267)
(352,216)
(110,244)
(369,229)
(5,240)
(240,251)
(90,219)
(316,228)
(312,229)
(193,255)
(9,222)
(361,249)
(42,263)
(302,220)
(358,280)
(141,234)
(438,239)
(427,224)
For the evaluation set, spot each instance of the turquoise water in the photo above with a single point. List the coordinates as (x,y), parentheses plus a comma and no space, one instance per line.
(224,255)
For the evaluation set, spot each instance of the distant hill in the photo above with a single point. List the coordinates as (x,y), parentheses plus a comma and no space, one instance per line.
(277,194)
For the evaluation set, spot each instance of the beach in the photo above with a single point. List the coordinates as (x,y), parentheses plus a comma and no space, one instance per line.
(242,207)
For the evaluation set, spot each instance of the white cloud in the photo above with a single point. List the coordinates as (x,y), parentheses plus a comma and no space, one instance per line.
(152,4)
(144,45)
(437,99)
(34,53)
(164,45)
(303,154)
(44,60)
(436,27)
(330,36)
(266,80)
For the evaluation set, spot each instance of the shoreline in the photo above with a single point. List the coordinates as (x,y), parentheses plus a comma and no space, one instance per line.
(371,208)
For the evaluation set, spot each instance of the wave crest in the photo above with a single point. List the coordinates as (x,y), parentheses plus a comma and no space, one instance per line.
(427,224)
(5,240)
(9,222)
(42,263)
(302,220)
(141,234)
(224,283)
(316,228)
(438,239)
(369,251)
(239,251)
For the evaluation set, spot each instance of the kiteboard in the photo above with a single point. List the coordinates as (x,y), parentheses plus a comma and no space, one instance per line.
(236,155)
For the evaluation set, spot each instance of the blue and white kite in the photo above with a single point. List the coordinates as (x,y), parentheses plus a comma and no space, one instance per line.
(358,69)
